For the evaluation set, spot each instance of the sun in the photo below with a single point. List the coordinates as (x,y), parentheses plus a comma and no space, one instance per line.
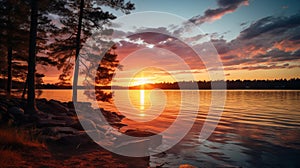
(139,81)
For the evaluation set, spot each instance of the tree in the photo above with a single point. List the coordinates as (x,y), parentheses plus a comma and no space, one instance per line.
(13,26)
(14,39)
(103,70)
(45,8)
(31,108)
(87,18)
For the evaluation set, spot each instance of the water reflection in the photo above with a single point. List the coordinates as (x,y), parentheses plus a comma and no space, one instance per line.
(257,128)
(142,100)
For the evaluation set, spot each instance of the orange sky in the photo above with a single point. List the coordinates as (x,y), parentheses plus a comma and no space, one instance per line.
(249,40)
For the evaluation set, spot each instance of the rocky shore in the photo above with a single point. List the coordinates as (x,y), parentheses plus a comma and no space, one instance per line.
(57,125)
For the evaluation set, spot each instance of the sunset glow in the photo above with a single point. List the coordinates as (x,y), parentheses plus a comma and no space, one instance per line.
(128,83)
(139,81)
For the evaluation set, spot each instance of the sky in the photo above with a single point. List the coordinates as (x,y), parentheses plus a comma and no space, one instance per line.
(206,40)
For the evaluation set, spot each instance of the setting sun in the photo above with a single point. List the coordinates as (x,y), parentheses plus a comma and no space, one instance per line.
(139,81)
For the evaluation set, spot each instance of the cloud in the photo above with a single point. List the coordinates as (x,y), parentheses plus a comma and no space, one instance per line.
(264,44)
(270,25)
(270,42)
(224,7)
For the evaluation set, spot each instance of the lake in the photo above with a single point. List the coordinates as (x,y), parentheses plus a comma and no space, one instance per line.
(258,128)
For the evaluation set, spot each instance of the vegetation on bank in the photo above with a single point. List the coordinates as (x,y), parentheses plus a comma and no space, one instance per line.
(293,84)
(14,142)
(54,136)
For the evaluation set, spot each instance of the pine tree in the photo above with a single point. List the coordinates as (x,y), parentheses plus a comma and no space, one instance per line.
(77,27)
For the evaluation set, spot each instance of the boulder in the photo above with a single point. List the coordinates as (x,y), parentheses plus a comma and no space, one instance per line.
(50,123)
(76,125)
(67,119)
(58,106)
(118,125)
(155,139)
(87,124)
(70,140)
(70,105)
(57,130)
(112,117)
(71,112)
(136,148)
(3,108)
(16,112)
(3,113)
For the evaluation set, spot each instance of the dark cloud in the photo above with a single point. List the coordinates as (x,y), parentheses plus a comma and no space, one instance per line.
(224,7)
(229,57)
(268,41)
(270,25)
(150,37)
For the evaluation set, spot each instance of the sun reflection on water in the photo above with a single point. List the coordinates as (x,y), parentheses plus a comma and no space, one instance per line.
(142,102)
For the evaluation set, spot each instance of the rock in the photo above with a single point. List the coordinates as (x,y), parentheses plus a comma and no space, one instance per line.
(96,135)
(9,103)
(16,102)
(65,130)
(1,118)
(69,140)
(16,112)
(58,106)
(50,123)
(70,105)
(58,130)
(109,131)
(76,125)
(87,124)
(71,112)
(52,107)
(112,117)
(84,104)
(133,148)
(3,113)
(43,100)
(155,139)
(118,125)
(3,108)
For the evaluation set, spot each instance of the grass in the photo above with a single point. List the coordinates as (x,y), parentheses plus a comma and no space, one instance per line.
(15,138)
(13,142)
(9,157)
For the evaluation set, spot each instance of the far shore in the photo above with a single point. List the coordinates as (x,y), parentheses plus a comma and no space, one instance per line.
(276,84)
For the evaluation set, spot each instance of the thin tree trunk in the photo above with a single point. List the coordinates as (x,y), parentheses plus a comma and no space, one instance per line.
(9,54)
(31,108)
(25,88)
(78,42)
(9,67)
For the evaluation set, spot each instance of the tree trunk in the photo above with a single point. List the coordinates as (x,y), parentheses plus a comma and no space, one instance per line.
(25,88)
(9,67)
(31,108)
(78,42)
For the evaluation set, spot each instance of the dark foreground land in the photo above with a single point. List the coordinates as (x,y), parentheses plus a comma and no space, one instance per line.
(54,138)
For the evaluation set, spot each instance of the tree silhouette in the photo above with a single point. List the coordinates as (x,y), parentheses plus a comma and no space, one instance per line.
(13,34)
(31,108)
(98,72)
(77,27)
(39,12)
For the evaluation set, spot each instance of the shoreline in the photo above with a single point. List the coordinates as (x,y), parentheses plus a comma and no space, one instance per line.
(56,125)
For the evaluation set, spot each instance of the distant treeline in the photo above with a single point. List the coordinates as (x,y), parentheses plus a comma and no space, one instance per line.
(292,84)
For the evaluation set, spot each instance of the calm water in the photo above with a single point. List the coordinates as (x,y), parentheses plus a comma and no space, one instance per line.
(257,128)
